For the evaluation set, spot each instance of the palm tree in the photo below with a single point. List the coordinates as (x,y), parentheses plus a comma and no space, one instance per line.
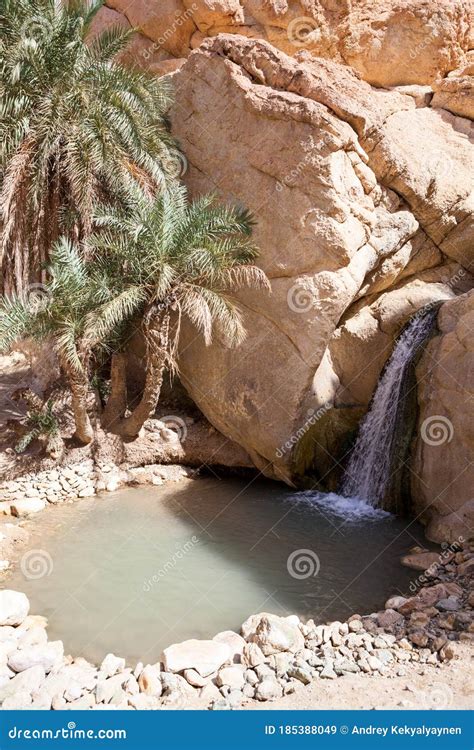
(76,127)
(168,258)
(57,313)
(150,263)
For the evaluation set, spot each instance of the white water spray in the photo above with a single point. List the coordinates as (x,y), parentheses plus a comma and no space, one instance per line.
(368,472)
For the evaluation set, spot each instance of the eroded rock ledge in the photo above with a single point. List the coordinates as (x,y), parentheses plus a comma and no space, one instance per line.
(389,42)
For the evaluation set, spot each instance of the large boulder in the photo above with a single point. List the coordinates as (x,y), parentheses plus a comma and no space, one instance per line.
(360,224)
(389,43)
(443,471)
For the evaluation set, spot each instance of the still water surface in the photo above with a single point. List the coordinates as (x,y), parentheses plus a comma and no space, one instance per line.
(137,570)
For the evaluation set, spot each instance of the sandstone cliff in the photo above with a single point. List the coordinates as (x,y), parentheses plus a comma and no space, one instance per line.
(363,204)
(345,128)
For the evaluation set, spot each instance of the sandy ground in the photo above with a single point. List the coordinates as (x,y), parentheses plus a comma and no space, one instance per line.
(447,686)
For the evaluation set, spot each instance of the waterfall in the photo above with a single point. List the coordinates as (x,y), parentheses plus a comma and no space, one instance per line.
(369,469)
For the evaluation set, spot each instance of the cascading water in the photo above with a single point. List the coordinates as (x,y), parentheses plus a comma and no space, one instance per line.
(369,469)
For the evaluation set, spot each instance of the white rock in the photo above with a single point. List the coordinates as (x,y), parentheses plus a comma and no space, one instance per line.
(195,679)
(17,701)
(58,682)
(149,680)
(274,634)
(81,704)
(131,685)
(25,682)
(7,633)
(35,636)
(269,689)
(143,702)
(73,692)
(111,665)
(47,655)
(41,701)
(25,506)
(231,676)
(235,642)
(14,607)
(252,655)
(204,656)
(111,688)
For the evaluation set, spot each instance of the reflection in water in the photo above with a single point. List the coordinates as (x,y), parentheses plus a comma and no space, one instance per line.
(143,568)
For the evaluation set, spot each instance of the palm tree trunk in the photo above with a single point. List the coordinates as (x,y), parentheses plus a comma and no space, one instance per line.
(117,402)
(156,331)
(79,386)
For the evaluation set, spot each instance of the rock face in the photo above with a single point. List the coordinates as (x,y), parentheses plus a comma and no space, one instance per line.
(443,472)
(363,200)
(391,42)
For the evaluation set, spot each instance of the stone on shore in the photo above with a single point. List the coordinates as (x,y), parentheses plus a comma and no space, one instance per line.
(27,505)
(47,655)
(111,665)
(205,657)
(235,642)
(274,634)
(28,681)
(149,680)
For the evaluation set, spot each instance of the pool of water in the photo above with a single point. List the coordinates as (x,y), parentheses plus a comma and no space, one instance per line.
(137,570)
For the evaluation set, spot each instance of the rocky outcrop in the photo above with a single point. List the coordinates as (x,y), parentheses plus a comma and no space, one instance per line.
(363,200)
(390,43)
(443,471)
